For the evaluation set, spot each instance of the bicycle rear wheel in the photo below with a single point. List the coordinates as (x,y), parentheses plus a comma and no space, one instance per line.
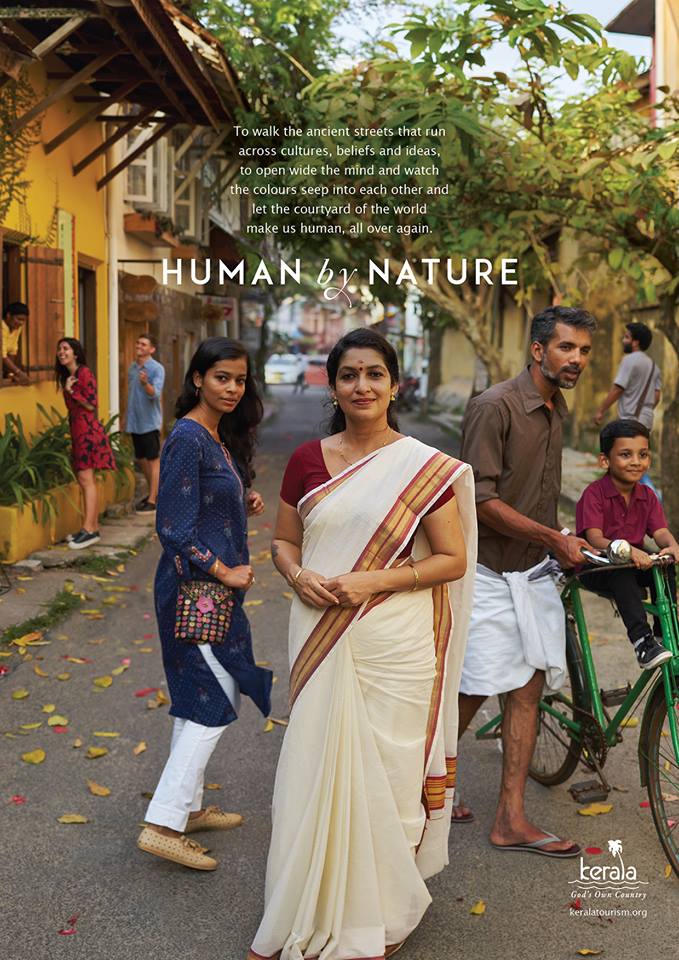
(661,775)
(558,747)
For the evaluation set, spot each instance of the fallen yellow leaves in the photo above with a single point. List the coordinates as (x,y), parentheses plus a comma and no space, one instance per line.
(19,694)
(586,952)
(34,756)
(93,753)
(158,701)
(668,872)
(49,708)
(478,909)
(39,672)
(103,682)
(281,723)
(140,748)
(31,726)
(213,786)
(268,726)
(630,722)
(97,790)
(77,743)
(253,603)
(56,720)
(63,676)
(595,809)
(287,595)
(105,733)
(116,672)
(72,818)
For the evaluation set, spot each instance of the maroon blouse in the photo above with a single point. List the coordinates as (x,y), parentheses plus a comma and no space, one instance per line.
(306,470)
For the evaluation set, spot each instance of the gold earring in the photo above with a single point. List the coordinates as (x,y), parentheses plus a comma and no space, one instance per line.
(393,397)
(335,402)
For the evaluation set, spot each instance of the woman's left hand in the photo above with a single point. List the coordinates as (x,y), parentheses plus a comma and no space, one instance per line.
(255,504)
(352,589)
(68,386)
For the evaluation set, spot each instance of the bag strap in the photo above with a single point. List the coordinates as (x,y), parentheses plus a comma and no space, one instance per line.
(644,392)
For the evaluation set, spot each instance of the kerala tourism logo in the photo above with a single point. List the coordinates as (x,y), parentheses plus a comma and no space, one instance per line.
(617,876)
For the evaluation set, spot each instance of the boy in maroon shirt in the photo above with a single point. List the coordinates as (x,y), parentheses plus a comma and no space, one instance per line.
(619,507)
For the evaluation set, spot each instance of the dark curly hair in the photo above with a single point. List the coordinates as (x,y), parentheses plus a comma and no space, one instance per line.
(361,339)
(237,430)
(61,373)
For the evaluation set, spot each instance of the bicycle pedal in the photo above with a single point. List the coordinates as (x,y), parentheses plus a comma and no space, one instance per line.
(588,791)
(612,698)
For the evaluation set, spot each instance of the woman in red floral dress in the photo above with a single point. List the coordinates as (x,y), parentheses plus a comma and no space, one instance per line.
(90,447)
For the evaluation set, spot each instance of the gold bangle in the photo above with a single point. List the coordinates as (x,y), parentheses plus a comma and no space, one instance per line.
(297,575)
(417,578)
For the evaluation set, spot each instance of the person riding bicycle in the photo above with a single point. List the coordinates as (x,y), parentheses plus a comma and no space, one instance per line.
(620,507)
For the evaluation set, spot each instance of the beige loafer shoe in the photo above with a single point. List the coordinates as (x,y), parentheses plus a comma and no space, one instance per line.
(212,818)
(177,849)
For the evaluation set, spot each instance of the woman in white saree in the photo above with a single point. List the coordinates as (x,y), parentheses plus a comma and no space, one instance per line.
(375,534)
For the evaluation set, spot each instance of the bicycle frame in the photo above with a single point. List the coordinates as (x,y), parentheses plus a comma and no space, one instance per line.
(666,610)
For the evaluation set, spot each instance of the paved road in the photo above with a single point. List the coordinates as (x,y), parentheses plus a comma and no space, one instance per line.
(133,907)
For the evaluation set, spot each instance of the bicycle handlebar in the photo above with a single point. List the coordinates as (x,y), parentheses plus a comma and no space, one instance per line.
(601,560)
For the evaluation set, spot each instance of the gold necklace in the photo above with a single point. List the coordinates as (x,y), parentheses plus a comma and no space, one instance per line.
(352,462)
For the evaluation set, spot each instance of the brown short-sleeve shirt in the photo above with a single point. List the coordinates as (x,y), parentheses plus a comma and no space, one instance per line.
(513,442)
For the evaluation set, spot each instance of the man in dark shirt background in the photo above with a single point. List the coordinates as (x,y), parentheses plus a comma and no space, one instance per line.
(512,437)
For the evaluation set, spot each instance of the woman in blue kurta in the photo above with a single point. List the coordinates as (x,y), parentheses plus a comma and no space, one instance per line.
(205,471)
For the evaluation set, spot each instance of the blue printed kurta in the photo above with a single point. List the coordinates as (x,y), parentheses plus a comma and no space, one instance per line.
(200,517)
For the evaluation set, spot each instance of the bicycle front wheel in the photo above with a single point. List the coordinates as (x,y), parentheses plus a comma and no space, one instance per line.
(558,746)
(661,774)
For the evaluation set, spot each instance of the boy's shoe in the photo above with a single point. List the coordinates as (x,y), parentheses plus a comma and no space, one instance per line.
(141,503)
(145,507)
(72,536)
(178,849)
(84,539)
(650,653)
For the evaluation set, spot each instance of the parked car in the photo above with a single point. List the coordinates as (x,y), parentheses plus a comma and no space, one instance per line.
(283,368)
(316,374)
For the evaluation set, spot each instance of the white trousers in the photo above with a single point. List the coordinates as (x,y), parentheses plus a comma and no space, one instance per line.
(180,788)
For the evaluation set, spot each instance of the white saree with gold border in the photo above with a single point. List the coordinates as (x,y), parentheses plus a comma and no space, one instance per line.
(365,780)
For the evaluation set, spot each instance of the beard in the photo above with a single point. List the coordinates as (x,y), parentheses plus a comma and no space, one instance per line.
(627,348)
(557,377)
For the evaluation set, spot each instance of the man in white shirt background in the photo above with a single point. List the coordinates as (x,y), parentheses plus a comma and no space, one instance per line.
(636,387)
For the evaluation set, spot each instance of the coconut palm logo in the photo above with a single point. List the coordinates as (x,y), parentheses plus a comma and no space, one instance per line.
(615,850)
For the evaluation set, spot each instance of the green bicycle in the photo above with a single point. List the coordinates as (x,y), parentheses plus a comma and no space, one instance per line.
(575,726)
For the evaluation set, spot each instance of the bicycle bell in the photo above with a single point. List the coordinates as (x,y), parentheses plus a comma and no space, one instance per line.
(619,551)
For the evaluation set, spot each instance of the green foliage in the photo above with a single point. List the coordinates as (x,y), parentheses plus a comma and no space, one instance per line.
(31,466)
(17,98)
(56,610)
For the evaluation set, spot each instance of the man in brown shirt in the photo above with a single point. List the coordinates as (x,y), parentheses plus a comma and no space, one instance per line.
(512,437)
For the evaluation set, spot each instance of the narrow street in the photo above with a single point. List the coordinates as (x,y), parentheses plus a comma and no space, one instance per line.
(131,906)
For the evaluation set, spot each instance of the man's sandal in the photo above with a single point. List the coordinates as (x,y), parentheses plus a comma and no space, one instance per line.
(537,846)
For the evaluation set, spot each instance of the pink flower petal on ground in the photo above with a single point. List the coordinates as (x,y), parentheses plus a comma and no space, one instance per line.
(593,851)
(69,927)
(146,691)
(126,661)
(60,729)
(644,803)
(147,616)
(3,670)
(148,636)
(17,799)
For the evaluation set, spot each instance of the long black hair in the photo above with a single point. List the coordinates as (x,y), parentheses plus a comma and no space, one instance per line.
(61,373)
(362,338)
(238,429)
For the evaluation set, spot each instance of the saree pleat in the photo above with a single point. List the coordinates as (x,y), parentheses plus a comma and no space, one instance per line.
(343,879)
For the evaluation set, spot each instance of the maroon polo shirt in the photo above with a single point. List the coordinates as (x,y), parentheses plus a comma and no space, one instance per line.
(602,506)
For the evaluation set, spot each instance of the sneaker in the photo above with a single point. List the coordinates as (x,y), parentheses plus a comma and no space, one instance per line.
(650,653)
(72,536)
(178,849)
(146,507)
(212,818)
(141,503)
(84,539)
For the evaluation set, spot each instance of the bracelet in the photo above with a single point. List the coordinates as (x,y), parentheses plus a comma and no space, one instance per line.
(297,576)
(218,564)
(417,577)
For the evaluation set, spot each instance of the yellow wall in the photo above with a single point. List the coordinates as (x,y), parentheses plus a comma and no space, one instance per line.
(52,187)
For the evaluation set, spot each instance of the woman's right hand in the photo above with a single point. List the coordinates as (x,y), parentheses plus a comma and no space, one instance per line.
(240,578)
(310,590)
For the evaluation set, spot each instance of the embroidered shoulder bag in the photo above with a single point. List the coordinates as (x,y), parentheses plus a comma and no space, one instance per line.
(204,610)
